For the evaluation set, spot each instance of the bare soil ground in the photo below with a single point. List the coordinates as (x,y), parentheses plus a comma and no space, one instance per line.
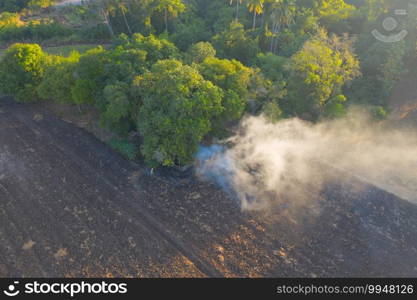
(70,206)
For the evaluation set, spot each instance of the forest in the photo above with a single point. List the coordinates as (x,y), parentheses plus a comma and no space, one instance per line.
(181,73)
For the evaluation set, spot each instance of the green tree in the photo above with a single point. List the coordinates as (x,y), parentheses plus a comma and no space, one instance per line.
(89,74)
(274,67)
(121,4)
(59,79)
(382,65)
(156,48)
(282,15)
(237,7)
(105,8)
(178,106)
(318,73)
(255,7)
(116,109)
(235,43)
(38,4)
(21,70)
(197,53)
(233,77)
(170,7)
(9,19)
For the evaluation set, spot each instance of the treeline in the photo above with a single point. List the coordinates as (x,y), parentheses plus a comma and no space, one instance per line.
(36,24)
(197,67)
(19,5)
(174,100)
(12,28)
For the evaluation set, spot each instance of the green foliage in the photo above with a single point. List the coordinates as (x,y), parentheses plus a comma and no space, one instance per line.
(190,31)
(382,64)
(156,49)
(330,12)
(161,79)
(124,147)
(178,106)
(227,74)
(59,79)
(335,108)
(98,68)
(9,20)
(272,66)
(13,29)
(69,50)
(272,112)
(21,70)
(116,108)
(235,43)
(88,76)
(169,8)
(318,73)
(13,5)
(233,77)
(38,4)
(197,53)
(379,113)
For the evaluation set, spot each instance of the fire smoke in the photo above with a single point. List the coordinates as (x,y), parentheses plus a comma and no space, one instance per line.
(290,161)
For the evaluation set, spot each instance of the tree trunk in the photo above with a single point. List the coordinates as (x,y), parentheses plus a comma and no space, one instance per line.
(254,20)
(271,48)
(237,10)
(107,21)
(276,31)
(263,20)
(166,19)
(126,22)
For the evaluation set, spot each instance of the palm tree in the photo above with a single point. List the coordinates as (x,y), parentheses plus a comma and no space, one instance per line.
(123,9)
(282,15)
(237,7)
(107,7)
(255,6)
(173,7)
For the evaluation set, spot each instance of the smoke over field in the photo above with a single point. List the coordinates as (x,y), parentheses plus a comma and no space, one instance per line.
(290,161)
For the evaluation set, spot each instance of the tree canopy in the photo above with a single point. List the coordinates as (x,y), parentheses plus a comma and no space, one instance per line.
(176,73)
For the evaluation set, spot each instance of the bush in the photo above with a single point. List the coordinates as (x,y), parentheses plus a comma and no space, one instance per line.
(89,76)
(21,70)
(59,79)
(97,32)
(33,31)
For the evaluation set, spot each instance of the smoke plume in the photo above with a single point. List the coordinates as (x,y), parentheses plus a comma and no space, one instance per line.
(287,163)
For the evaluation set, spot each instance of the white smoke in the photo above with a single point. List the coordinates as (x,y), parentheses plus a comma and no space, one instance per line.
(289,162)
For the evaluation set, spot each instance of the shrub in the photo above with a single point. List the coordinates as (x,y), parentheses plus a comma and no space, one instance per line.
(21,70)
(59,79)
(124,147)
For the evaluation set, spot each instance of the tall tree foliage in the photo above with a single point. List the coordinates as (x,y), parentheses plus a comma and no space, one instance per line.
(318,73)
(178,106)
(21,70)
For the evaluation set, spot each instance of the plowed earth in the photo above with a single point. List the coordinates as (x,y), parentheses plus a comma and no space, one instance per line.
(71,206)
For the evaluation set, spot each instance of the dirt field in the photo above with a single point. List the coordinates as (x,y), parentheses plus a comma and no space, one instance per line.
(70,206)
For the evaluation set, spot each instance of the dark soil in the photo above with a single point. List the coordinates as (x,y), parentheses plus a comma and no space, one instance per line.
(70,206)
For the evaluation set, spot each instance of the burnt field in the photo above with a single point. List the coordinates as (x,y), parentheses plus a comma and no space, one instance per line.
(70,206)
